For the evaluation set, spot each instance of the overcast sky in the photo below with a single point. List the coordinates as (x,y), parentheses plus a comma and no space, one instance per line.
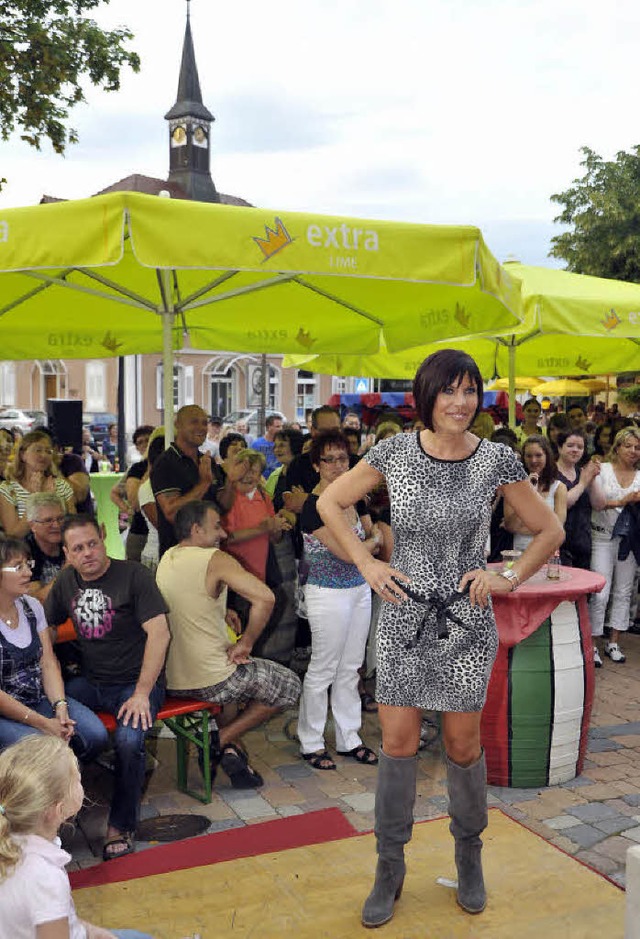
(463,111)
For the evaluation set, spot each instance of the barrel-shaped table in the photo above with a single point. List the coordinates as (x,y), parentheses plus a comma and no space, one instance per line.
(536,718)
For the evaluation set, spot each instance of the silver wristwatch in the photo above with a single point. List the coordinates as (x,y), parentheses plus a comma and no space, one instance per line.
(510,575)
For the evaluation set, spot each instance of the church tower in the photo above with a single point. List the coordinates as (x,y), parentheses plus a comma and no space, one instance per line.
(190,130)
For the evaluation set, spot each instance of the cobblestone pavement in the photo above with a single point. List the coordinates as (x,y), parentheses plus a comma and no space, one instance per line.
(595,817)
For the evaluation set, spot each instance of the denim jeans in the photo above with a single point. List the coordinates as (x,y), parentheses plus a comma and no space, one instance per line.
(620,577)
(128,744)
(89,739)
(339,622)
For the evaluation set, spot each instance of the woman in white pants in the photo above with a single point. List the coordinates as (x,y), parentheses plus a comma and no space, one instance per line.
(617,485)
(338,603)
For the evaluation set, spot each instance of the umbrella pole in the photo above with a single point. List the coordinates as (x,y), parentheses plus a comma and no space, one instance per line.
(168,318)
(512,386)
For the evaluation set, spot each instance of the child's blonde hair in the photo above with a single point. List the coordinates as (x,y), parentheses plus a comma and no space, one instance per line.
(252,457)
(35,774)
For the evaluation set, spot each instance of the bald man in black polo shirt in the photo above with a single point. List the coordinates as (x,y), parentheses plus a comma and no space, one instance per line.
(182,474)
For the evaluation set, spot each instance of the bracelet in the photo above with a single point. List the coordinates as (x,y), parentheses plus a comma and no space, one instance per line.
(512,577)
(56,704)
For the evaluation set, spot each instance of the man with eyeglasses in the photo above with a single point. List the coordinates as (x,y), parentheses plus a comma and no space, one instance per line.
(45,514)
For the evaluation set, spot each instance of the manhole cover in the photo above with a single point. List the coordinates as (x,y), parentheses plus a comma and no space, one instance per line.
(171,827)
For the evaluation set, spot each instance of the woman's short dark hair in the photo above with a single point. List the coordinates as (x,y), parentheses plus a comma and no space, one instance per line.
(145,430)
(531,401)
(295,439)
(226,442)
(328,438)
(564,435)
(439,371)
(550,472)
(13,548)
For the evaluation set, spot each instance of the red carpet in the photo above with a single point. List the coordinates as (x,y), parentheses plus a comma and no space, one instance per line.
(248,841)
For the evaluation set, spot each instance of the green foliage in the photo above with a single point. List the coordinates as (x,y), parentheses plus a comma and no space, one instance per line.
(603,210)
(630,394)
(48,48)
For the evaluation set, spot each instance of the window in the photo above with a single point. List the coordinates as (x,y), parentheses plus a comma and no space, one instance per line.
(339,385)
(8,383)
(305,393)
(95,386)
(183,392)
(221,395)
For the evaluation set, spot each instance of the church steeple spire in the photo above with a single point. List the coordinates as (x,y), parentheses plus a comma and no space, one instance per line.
(189,130)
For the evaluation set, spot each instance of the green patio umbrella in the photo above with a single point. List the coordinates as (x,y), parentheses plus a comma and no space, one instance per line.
(128,273)
(574,325)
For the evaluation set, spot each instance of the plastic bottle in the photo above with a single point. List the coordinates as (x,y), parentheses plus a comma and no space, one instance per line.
(553,566)
(116,465)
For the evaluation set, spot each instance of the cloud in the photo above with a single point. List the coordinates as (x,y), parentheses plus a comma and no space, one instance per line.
(271,123)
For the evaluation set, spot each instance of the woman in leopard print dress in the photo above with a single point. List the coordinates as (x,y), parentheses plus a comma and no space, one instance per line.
(437,636)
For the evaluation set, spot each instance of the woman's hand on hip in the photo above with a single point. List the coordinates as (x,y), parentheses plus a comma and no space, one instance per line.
(382,578)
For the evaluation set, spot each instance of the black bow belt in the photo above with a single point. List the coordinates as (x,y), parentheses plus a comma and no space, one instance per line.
(436,606)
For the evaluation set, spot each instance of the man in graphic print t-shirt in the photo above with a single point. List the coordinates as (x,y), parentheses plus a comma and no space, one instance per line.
(120,620)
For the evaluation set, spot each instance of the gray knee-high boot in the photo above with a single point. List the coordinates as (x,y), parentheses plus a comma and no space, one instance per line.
(395,798)
(468,811)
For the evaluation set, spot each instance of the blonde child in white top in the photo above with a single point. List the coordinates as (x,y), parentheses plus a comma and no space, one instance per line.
(40,788)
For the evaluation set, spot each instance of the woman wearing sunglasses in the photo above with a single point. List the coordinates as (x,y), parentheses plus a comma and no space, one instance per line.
(32,698)
(338,603)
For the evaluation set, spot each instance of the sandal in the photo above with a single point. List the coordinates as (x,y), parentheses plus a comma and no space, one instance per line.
(360,754)
(317,759)
(127,847)
(234,762)
(369,703)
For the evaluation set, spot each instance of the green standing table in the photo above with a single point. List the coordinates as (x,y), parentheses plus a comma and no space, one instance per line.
(101,486)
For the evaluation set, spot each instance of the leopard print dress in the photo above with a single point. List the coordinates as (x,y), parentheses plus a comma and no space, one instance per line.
(440,516)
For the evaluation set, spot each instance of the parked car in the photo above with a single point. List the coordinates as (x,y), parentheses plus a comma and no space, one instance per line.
(98,423)
(24,420)
(250,416)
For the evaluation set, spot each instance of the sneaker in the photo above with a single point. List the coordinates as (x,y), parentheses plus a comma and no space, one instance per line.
(597,661)
(612,649)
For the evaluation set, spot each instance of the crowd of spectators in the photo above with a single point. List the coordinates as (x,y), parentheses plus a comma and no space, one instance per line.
(233,588)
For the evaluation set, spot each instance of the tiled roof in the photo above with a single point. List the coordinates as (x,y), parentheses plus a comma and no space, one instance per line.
(151,185)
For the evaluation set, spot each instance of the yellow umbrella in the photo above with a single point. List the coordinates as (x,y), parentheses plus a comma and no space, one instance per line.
(562,388)
(522,383)
(594,385)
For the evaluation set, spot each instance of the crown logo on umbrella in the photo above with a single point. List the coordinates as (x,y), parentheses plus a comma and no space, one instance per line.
(305,338)
(612,320)
(462,316)
(277,239)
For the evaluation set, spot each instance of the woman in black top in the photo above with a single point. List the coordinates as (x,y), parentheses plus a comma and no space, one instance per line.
(576,550)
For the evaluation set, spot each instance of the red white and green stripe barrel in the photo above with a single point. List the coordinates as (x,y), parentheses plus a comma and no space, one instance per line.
(536,718)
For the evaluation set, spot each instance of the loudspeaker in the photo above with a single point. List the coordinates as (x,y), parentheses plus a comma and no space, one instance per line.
(64,418)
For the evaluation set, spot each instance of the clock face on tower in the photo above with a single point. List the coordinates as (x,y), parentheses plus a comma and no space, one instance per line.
(178,136)
(200,136)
